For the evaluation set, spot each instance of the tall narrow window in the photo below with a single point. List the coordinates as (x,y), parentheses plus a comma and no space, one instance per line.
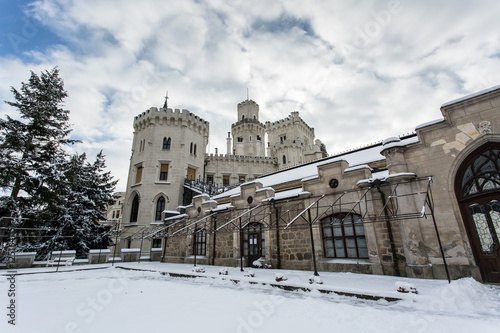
(166,143)
(200,240)
(194,151)
(134,211)
(225,180)
(138,174)
(284,159)
(191,148)
(164,171)
(344,236)
(160,207)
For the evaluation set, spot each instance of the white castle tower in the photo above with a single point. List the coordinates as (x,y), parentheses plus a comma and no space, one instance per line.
(168,147)
(248,132)
(291,141)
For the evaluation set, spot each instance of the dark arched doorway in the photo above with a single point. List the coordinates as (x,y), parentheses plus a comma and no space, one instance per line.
(477,186)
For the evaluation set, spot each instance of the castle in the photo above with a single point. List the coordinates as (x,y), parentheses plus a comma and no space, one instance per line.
(423,205)
(169,164)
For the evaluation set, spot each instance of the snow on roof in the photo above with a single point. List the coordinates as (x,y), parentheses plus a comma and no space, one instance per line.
(429,123)
(310,170)
(464,98)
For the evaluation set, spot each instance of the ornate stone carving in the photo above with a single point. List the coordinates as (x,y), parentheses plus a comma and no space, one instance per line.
(485,127)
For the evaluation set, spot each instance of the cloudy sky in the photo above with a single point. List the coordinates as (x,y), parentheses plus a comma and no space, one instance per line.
(357,71)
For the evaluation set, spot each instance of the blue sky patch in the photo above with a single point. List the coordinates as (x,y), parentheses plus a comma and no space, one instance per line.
(283,24)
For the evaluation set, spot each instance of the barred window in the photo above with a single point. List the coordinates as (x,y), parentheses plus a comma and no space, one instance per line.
(344,236)
(156,243)
(200,241)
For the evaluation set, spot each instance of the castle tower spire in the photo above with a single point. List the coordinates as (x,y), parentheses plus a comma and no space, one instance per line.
(165,105)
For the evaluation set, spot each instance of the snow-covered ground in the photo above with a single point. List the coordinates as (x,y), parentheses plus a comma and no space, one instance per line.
(117,300)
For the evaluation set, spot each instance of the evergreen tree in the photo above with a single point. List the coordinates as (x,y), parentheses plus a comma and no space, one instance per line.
(62,196)
(81,199)
(31,148)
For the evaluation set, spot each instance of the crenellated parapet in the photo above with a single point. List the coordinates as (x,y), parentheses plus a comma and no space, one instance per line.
(239,158)
(291,121)
(170,117)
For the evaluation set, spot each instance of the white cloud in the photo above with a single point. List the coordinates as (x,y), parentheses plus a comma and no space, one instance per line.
(357,71)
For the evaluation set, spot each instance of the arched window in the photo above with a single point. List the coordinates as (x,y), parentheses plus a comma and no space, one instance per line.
(160,207)
(200,242)
(344,236)
(134,212)
(284,159)
(166,143)
(242,117)
(477,186)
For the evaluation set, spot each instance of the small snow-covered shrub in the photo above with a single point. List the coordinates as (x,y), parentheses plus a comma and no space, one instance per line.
(223,271)
(199,269)
(257,264)
(405,287)
(267,266)
(315,279)
(249,273)
(280,277)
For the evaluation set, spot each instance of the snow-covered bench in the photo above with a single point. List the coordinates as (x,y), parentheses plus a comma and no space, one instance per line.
(129,255)
(58,258)
(99,256)
(23,259)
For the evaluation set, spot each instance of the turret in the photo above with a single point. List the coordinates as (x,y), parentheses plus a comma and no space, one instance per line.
(248,132)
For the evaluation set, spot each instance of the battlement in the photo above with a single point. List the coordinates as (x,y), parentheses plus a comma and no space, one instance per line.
(288,121)
(239,158)
(247,121)
(248,102)
(154,114)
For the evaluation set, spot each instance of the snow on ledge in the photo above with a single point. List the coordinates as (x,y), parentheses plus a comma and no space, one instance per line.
(386,177)
(401,174)
(64,252)
(347,261)
(102,251)
(358,167)
(430,123)
(309,178)
(177,217)
(134,250)
(476,94)
(265,189)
